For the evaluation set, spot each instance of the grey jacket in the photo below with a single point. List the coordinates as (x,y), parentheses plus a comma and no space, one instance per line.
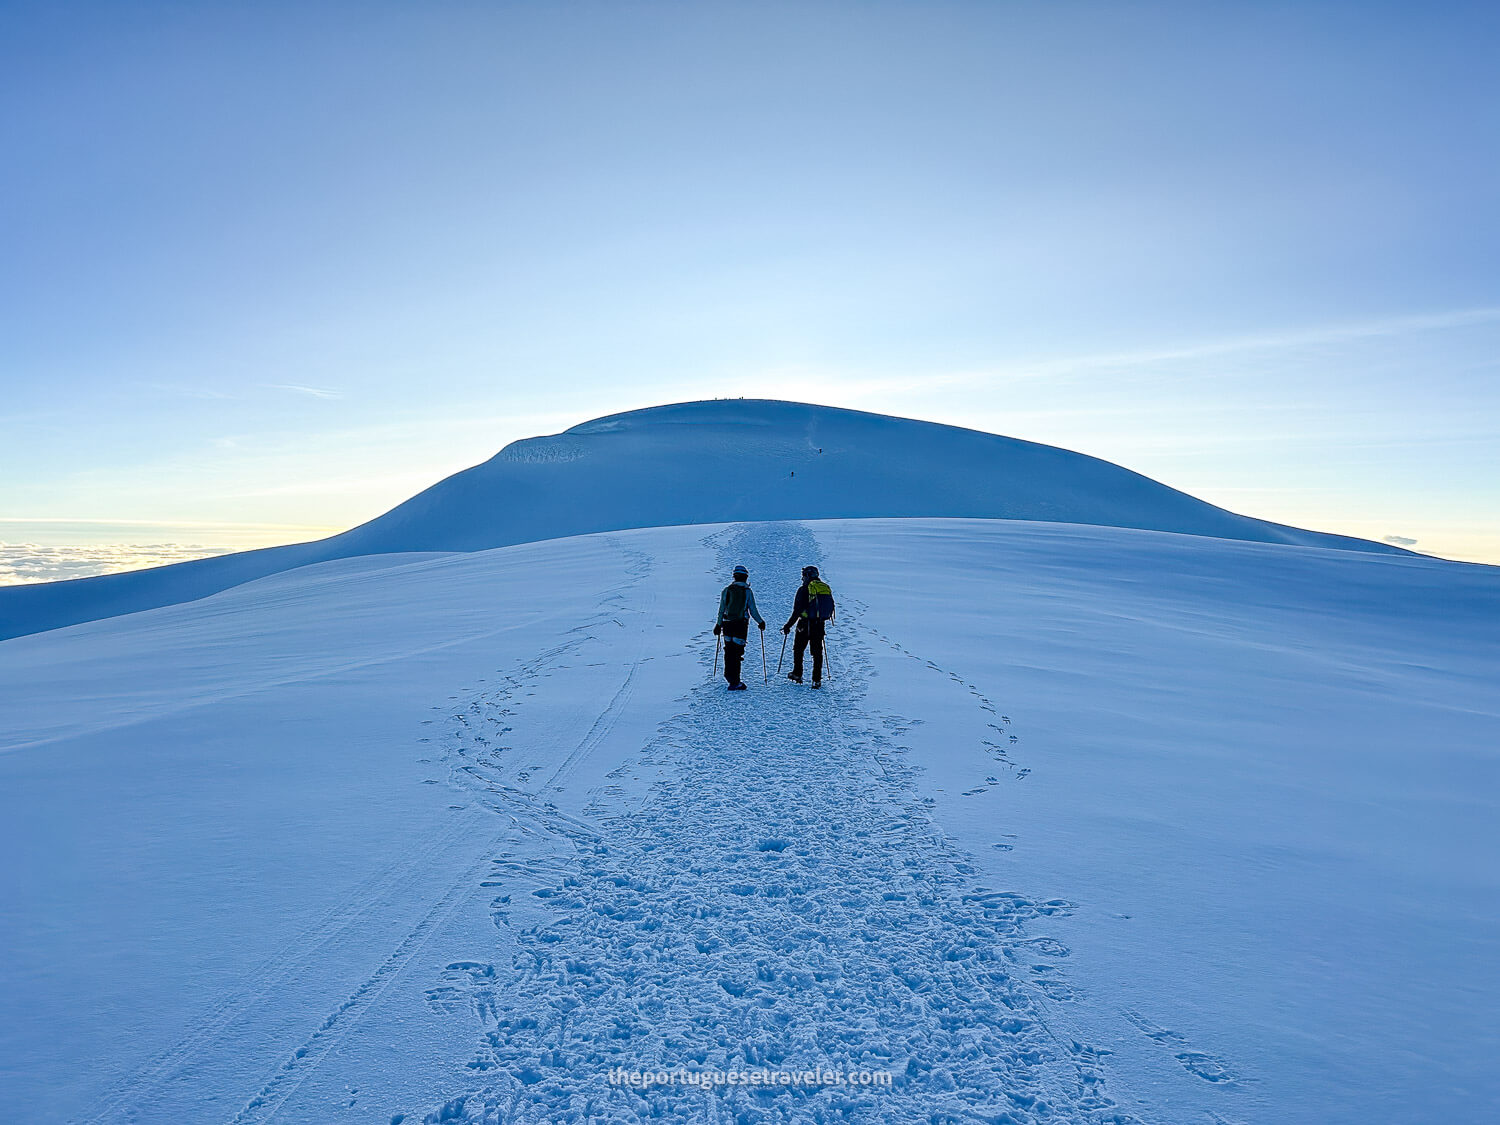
(750,609)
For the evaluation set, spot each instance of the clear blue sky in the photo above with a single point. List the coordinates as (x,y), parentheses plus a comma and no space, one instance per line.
(270,264)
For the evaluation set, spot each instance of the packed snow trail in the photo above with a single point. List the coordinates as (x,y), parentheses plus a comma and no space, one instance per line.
(780,901)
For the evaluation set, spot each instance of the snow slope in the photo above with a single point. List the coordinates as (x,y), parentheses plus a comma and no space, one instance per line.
(1090,824)
(697,462)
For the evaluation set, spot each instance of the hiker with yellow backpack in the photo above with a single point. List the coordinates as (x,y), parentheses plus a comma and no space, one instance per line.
(811,613)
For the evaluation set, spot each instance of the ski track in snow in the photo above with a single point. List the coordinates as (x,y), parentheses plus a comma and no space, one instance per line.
(781,899)
(241,1006)
(264,1105)
(290,1077)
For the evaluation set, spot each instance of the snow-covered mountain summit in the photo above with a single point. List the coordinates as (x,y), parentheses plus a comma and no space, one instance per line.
(756,459)
(698,462)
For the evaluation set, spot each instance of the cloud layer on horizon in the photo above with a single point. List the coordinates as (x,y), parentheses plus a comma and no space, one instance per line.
(26,563)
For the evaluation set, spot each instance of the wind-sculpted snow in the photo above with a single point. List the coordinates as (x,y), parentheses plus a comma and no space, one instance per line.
(780,902)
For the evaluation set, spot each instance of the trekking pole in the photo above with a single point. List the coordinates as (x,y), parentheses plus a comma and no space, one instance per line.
(764,675)
(782,657)
(717,642)
(827,663)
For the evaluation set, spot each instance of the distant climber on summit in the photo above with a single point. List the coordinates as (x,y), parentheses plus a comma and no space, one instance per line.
(811,612)
(736,607)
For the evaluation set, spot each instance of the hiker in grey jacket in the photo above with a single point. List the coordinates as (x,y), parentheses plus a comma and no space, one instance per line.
(736,608)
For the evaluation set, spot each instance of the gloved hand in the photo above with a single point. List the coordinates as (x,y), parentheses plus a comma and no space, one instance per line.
(762,626)
(718,629)
(786,628)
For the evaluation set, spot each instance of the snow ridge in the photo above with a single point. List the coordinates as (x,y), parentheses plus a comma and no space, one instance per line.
(780,901)
(698,463)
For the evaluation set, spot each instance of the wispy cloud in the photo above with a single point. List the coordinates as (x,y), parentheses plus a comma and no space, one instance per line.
(807,382)
(1279,341)
(1400,541)
(314,392)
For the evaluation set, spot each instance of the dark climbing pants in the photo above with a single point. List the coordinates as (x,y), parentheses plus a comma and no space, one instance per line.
(809,631)
(735,633)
